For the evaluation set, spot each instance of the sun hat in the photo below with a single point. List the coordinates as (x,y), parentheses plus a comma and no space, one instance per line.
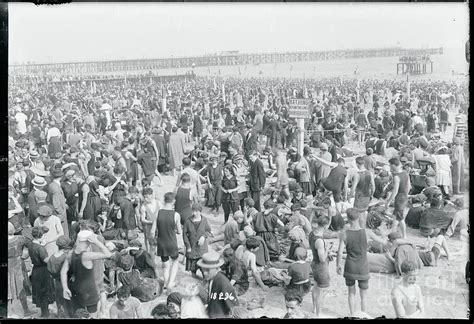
(38,181)
(210,260)
(323,147)
(34,154)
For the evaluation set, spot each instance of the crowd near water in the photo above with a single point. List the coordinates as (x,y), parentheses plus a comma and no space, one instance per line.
(115,187)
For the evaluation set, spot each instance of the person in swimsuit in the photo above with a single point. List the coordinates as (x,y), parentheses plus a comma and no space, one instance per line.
(149,211)
(363,187)
(83,291)
(399,195)
(320,264)
(165,229)
(407,299)
(356,266)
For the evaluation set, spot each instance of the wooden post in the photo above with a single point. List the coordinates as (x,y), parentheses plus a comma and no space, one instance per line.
(300,137)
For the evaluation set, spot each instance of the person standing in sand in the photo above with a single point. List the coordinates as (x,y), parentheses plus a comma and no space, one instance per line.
(399,195)
(165,229)
(356,267)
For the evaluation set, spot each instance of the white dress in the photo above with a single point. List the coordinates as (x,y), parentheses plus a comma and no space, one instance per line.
(443,170)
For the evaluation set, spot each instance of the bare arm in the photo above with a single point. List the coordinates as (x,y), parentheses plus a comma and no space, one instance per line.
(396,185)
(340,251)
(322,252)
(85,194)
(177,220)
(91,256)
(256,274)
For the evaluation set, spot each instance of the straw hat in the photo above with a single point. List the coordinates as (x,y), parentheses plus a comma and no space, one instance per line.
(39,170)
(210,260)
(38,181)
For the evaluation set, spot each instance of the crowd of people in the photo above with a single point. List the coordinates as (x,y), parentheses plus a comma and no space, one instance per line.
(89,215)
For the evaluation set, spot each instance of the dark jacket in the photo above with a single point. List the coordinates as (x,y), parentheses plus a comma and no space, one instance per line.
(250,142)
(257,176)
(222,297)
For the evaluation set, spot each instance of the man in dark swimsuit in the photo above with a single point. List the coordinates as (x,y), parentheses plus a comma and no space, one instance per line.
(399,195)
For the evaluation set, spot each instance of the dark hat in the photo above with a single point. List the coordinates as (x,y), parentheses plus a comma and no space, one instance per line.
(57,172)
(175,298)
(394,235)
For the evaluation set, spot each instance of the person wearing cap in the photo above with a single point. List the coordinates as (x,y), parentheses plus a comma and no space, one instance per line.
(52,222)
(57,199)
(457,166)
(84,291)
(55,264)
(41,281)
(222,296)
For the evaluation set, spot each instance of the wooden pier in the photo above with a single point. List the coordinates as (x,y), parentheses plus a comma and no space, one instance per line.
(222,59)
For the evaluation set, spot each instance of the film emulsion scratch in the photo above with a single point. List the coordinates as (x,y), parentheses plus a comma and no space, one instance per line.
(238,161)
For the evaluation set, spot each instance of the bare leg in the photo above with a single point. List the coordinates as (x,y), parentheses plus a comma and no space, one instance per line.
(363,220)
(166,273)
(403,228)
(317,300)
(173,272)
(363,294)
(351,298)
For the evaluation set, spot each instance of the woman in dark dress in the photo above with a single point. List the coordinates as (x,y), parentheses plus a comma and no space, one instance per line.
(230,194)
(88,193)
(196,230)
(41,280)
(184,198)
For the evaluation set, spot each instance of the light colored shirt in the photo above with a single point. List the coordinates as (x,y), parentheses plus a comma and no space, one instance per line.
(21,122)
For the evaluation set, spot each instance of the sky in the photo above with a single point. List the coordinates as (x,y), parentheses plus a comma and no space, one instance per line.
(113,31)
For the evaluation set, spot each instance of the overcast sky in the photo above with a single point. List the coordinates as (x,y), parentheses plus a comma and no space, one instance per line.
(93,31)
